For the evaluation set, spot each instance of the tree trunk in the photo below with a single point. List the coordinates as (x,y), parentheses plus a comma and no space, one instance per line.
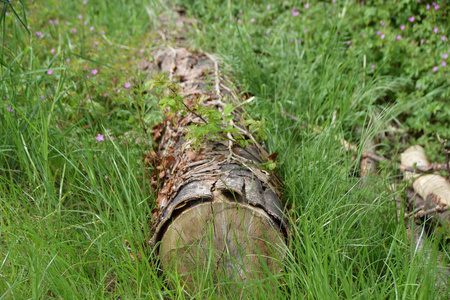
(218,209)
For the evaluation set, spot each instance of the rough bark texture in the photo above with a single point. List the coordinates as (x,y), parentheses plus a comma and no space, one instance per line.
(221,186)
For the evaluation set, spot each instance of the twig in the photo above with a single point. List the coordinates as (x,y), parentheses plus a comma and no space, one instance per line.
(446,152)
(430,169)
(245,102)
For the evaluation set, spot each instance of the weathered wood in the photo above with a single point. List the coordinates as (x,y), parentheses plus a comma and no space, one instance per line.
(217,207)
(430,194)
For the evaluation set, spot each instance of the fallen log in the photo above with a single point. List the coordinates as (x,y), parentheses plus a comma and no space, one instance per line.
(430,194)
(218,207)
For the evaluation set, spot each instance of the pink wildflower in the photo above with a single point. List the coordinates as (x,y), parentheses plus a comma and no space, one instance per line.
(100,137)
(443,63)
(435,68)
(95,71)
(399,37)
(411,19)
(127,85)
(307,5)
(435,29)
(9,108)
(268,7)
(402,27)
(50,72)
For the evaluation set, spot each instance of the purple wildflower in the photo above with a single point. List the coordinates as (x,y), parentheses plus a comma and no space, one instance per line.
(443,63)
(372,66)
(379,32)
(268,7)
(411,19)
(445,56)
(50,72)
(399,37)
(95,71)
(435,29)
(307,5)
(294,12)
(239,21)
(9,108)
(127,85)
(382,36)
(38,33)
(92,28)
(443,38)
(100,137)
(435,68)
(74,30)
(252,20)
(402,27)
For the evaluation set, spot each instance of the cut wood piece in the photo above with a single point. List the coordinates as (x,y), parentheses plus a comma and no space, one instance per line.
(434,186)
(223,239)
(431,193)
(218,210)
(414,156)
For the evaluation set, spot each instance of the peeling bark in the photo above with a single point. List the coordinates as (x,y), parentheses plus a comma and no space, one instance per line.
(222,187)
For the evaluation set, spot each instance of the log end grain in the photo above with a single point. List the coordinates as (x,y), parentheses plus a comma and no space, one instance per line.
(224,239)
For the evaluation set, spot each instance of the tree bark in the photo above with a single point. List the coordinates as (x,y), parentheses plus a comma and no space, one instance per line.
(218,208)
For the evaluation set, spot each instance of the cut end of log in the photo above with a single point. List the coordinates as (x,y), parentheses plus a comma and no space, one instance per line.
(414,156)
(230,240)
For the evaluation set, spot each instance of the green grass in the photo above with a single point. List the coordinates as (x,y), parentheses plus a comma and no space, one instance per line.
(75,212)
